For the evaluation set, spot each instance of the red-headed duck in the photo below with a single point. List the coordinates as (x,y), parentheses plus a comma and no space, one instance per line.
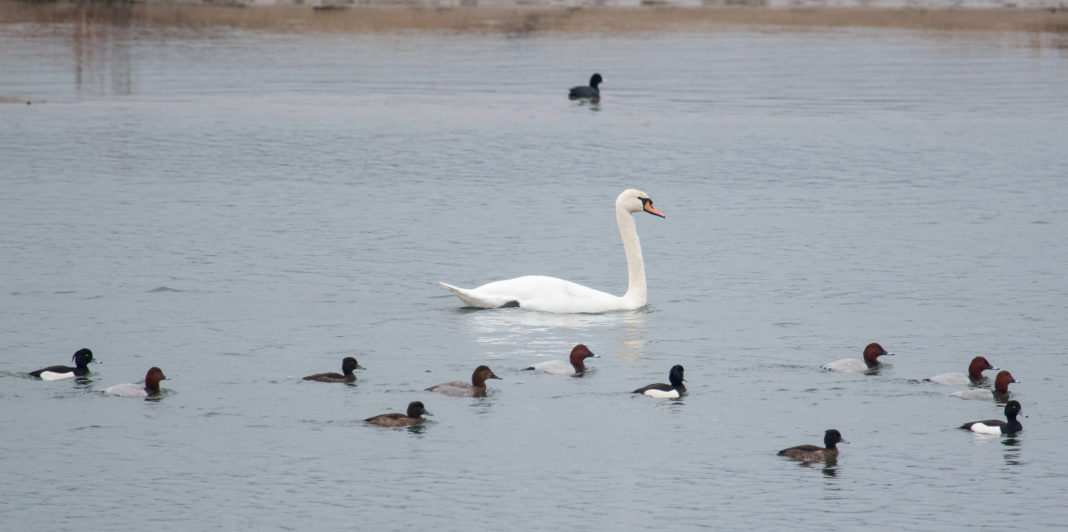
(415,410)
(815,453)
(999,393)
(348,364)
(462,389)
(81,358)
(576,366)
(853,365)
(974,375)
(670,391)
(590,92)
(150,386)
(997,426)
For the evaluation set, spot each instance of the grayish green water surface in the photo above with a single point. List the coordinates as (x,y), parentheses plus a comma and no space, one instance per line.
(243,209)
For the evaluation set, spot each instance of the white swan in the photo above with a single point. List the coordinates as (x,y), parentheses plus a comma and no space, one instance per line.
(549,294)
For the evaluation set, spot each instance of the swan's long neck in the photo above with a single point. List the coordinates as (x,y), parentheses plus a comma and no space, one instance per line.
(637,294)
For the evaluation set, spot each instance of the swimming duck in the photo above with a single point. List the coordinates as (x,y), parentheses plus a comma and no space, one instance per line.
(670,391)
(853,365)
(462,389)
(574,366)
(150,386)
(997,426)
(587,91)
(415,410)
(81,358)
(814,453)
(999,393)
(348,364)
(974,375)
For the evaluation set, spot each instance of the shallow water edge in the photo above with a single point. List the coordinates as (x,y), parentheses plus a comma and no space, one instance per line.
(534,18)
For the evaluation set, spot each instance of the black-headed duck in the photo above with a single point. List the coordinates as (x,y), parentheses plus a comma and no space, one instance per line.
(81,358)
(348,364)
(415,410)
(670,391)
(815,453)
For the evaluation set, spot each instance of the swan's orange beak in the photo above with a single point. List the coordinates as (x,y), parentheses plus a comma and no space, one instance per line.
(648,206)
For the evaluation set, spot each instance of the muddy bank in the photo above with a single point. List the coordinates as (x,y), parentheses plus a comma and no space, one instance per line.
(530,18)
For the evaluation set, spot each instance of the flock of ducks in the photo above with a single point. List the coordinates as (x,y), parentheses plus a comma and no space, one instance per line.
(549,294)
(870,363)
(575,366)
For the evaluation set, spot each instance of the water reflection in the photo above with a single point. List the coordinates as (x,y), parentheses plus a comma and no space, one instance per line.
(830,469)
(516,326)
(100,42)
(1012,454)
(594,106)
(83,382)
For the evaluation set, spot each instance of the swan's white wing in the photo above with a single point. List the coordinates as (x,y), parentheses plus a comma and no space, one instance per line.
(474,298)
(539,292)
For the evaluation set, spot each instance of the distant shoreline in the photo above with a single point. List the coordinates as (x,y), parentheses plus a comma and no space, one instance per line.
(532,17)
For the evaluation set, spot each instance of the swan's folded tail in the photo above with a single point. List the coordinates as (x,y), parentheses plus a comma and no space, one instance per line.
(472,299)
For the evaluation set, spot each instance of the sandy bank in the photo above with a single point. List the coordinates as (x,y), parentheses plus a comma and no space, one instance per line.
(527,19)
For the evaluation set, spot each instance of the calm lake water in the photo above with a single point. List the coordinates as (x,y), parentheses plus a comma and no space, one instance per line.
(244,208)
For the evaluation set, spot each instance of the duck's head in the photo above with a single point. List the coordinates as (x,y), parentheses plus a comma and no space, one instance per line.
(1012,409)
(580,352)
(872,353)
(348,364)
(978,366)
(416,409)
(82,357)
(831,438)
(1001,382)
(153,377)
(481,374)
(676,375)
